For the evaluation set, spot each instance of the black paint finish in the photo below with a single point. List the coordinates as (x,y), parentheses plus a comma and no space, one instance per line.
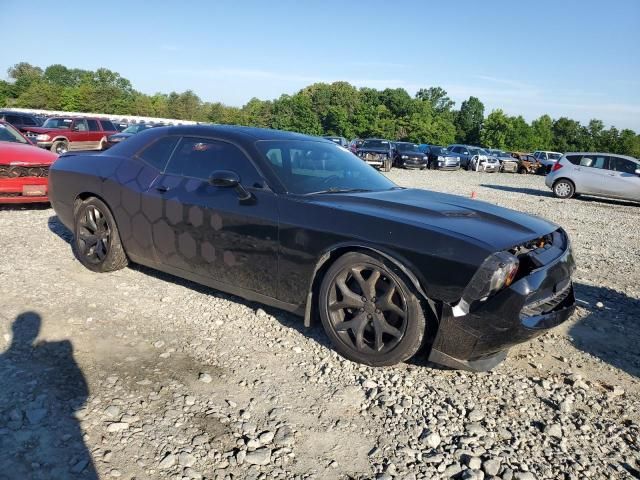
(268,248)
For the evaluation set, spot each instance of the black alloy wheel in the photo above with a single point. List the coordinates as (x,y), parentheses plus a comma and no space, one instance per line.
(369,312)
(96,240)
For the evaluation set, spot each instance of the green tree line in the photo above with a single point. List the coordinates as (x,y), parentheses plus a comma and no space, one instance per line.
(319,109)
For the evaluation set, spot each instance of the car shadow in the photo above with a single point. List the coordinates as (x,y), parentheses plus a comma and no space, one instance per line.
(41,390)
(610,331)
(549,194)
(528,191)
(24,206)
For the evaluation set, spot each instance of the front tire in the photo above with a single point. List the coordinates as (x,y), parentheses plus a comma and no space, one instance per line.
(370,314)
(60,147)
(96,241)
(564,188)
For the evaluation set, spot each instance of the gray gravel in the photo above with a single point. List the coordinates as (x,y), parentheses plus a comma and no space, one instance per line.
(136,374)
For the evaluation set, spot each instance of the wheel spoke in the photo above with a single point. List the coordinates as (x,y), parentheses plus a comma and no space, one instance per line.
(91,219)
(352,324)
(101,249)
(350,299)
(89,239)
(367,286)
(386,302)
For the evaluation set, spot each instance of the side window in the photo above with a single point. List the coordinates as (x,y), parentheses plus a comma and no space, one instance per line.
(575,159)
(200,157)
(93,125)
(30,121)
(275,157)
(80,125)
(623,165)
(107,126)
(594,161)
(157,154)
(14,120)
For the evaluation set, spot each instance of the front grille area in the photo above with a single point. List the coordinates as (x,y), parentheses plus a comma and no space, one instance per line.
(16,171)
(547,304)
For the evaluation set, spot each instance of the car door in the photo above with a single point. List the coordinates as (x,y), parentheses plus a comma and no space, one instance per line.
(590,174)
(622,181)
(94,135)
(79,135)
(211,231)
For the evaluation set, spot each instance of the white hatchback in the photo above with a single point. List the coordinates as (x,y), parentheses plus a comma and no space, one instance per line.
(599,174)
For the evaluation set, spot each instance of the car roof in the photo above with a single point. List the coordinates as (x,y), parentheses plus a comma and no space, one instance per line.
(241,132)
(628,157)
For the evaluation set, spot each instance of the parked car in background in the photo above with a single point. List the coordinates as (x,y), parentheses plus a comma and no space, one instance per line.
(599,174)
(62,134)
(440,158)
(408,155)
(467,153)
(126,133)
(24,168)
(388,270)
(355,144)
(508,164)
(22,121)
(338,140)
(377,152)
(546,159)
(488,164)
(527,163)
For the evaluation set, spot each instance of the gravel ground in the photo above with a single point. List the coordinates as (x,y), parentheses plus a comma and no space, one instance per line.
(137,374)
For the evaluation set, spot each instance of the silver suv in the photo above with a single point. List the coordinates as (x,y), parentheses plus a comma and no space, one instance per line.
(600,174)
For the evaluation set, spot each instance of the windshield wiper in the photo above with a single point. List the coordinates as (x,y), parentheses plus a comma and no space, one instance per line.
(340,190)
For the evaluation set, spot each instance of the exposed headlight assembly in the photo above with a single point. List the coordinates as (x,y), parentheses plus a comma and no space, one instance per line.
(497,272)
(43,137)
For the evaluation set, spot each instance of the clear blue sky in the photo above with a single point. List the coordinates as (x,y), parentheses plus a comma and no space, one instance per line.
(563,57)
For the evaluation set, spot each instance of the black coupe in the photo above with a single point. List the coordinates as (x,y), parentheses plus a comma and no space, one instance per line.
(299,223)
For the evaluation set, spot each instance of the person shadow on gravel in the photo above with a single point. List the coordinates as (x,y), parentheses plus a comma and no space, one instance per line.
(41,388)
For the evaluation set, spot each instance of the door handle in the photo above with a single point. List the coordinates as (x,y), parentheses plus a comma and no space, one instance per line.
(162,189)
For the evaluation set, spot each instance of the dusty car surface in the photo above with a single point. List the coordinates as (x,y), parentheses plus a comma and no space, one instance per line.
(508,164)
(24,168)
(296,222)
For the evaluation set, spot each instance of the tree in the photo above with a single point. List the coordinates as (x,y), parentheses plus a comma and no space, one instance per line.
(469,121)
(542,133)
(569,136)
(437,98)
(495,130)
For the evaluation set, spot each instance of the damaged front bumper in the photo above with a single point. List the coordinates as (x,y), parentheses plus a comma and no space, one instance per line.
(479,340)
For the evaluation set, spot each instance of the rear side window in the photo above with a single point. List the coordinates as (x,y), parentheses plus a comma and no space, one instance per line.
(623,165)
(594,161)
(575,159)
(200,157)
(93,125)
(108,126)
(14,119)
(29,121)
(157,154)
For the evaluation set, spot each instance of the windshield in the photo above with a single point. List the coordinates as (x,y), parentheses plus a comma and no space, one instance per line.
(10,134)
(408,147)
(134,128)
(384,144)
(305,166)
(554,156)
(57,123)
(439,150)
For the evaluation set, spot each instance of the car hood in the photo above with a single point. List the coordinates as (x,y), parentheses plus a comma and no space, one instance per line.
(495,228)
(22,154)
(121,135)
(46,130)
(411,153)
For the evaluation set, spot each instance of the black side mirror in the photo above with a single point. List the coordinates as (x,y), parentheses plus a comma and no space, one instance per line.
(229,179)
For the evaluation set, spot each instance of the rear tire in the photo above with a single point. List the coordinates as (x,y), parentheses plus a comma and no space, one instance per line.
(564,188)
(96,242)
(370,314)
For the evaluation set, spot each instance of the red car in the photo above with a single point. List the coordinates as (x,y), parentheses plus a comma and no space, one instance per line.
(24,168)
(61,134)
